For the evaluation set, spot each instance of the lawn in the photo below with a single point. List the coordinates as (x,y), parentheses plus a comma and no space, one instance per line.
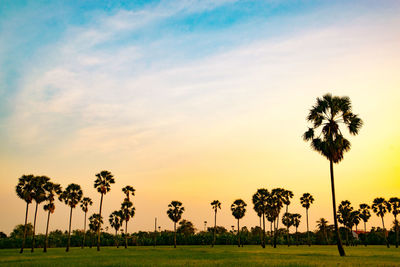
(205,256)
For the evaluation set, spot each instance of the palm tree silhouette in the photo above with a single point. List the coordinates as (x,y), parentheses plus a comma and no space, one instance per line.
(306,200)
(296,222)
(355,220)
(276,200)
(103,185)
(85,203)
(25,191)
(344,216)
(128,190)
(39,196)
(287,220)
(127,211)
(322,225)
(365,215)
(52,190)
(215,206)
(238,209)
(95,222)
(380,206)
(115,220)
(260,200)
(174,212)
(71,196)
(395,203)
(329,113)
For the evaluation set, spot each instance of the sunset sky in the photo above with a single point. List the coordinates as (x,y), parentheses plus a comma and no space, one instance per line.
(194,101)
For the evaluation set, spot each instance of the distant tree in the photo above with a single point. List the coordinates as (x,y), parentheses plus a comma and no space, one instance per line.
(127,211)
(238,209)
(296,222)
(85,203)
(128,190)
(215,206)
(329,113)
(22,230)
(276,200)
(103,185)
(306,200)
(25,190)
(380,206)
(322,225)
(344,217)
(39,196)
(116,220)
(287,195)
(174,212)
(95,222)
(52,191)
(287,220)
(260,201)
(3,235)
(365,215)
(71,196)
(186,227)
(395,203)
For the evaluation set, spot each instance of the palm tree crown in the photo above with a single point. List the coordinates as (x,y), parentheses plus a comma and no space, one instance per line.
(216,205)
(238,208)
(175,210)
(103,182)
(71,195)
(85,203)
(115,219)
(306,200)
(25,188)
(380,206)
(364,212)
(128,190)
(51,190)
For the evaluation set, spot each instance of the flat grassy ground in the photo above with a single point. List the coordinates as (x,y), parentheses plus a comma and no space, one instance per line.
(205,256)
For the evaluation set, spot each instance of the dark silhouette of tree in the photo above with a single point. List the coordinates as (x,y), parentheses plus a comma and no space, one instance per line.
(52,191)
(287,220)
(355,220)
(85,203)
(260,200)
(275,201)
(39,196)
(380,206)
(174,212)
(344,217)
(128,211)
(306,200)
(186,227)
(116,221)
(296,222)
(71,196)
(322,225)
(25,190)
(395,203)
(365,215)
(238,209)
(95,222)
(128,190)
(103,185)
(215,206)
(329,113)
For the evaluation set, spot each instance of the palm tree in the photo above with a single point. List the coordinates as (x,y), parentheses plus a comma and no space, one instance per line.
(365,215)
(296,222)
(260,199)
(39,196)
(395,203)
(380,206)
(94,224)
(52,190)
(287,195)
(215,206)
(306,200)
(276,200)
(238,209)
(329,113)
(287,221)
(322,225)
(115,220)
(174,212)
(128,190)
(85,203)
(344,216)
(127,211)
(25,191)
(103,185)
(355,220)
(71,197)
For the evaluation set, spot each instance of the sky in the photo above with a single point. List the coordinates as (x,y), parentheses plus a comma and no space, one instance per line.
(195,101)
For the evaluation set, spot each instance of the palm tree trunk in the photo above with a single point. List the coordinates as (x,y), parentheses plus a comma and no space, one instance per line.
(308,232)
(99,228)
(174,234)
(263,234)
(365,233)
(384,233)
(275,232)
(84,231)
(238,234)
(288,238)
(26,219)
(347,237)
(357,235)
(34,227)
(397,231)
(69,231)
(215,227)
(116,236)
(339,241)
(297,238)
(126,233)
(271,235)
(47,231)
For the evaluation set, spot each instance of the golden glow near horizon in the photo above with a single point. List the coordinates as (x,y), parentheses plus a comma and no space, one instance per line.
(218,127)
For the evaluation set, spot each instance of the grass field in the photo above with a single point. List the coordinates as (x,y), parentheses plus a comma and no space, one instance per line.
(205,256)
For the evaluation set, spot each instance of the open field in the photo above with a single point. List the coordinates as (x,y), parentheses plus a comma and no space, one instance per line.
(205,256)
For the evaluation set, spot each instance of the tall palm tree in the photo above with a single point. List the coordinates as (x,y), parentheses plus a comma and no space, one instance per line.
(306,200)
(380,206)
(128,190)
(71,197)
(365,215)
(344,216)
(329,113)
(39,196)
(395,203)
(52,190)
(322,225)
(215,206)
(174,212)
(287,195)
(115,220)
(260,199)
(25,191)
(296,222)
(238,209)
(288,221)
(95,222)
(127,211)
(276,201)
(85,203)
(103,185)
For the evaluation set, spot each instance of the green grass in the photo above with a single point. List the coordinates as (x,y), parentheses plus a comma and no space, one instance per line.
(205,256)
